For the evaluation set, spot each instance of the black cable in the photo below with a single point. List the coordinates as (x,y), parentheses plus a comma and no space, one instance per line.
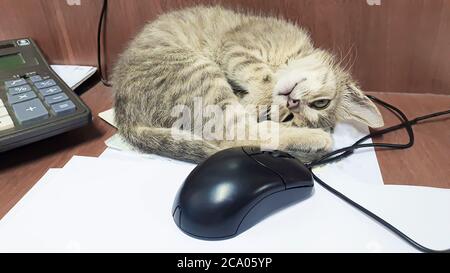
(432,115)
(344,152)
(377,218)
(99,42)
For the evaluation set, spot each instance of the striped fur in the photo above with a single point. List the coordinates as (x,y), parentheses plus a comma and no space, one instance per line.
(229,58)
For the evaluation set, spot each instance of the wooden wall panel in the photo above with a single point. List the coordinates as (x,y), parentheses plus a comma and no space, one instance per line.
(399,46)
(66,34)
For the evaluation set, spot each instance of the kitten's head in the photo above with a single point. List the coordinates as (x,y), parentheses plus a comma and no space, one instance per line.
(315,91)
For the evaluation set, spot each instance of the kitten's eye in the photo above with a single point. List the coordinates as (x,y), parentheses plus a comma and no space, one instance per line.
(320,104)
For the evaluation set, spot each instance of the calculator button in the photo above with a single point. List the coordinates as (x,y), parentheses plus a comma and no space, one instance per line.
(45,84)
(14,83)
(63,108)
(35,78)
(50,91)
(3,111)
(19,89)
(6,123)
(30,111)
(12,99)
(56,98)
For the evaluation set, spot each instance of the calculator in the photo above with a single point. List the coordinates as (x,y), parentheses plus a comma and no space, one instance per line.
(34,102)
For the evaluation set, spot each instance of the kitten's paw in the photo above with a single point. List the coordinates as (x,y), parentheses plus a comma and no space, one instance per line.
(311,140)
(310,145)
(321,141)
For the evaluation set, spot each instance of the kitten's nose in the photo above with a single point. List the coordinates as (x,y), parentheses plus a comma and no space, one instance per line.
(291,103)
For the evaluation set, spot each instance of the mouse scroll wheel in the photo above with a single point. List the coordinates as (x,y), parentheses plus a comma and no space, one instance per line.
(277,153)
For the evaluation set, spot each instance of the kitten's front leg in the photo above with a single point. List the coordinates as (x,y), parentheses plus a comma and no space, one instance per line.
(306,144)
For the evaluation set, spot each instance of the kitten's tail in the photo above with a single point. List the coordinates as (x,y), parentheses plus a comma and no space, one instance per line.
(169,142)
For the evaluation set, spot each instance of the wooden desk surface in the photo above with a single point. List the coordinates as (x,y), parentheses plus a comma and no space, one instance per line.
(426,164)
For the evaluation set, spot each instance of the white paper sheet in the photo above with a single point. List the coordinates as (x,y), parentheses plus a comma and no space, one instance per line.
(74,75)
(129,209)
(108,116)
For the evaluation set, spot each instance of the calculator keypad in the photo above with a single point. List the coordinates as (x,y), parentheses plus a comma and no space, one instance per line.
(33,101)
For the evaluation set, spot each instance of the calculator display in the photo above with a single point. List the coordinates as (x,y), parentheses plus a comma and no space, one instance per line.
(11,61)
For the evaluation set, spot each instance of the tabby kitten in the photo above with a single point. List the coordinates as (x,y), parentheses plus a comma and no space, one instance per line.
(230,59)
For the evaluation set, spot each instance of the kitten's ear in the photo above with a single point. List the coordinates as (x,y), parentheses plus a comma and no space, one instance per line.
(357,106)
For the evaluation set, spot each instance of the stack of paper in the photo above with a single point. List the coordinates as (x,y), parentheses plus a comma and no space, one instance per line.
(122,201)
(74,75)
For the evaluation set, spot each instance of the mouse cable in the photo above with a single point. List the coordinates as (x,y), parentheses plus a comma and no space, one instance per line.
(345,152)
(101,23)
(377,218)
(406,123)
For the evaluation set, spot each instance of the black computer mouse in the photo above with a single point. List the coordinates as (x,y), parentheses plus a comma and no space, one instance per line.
(236,188)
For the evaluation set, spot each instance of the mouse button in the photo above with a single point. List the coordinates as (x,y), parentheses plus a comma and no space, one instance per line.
(276,153)
(252,150)
(293,172)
